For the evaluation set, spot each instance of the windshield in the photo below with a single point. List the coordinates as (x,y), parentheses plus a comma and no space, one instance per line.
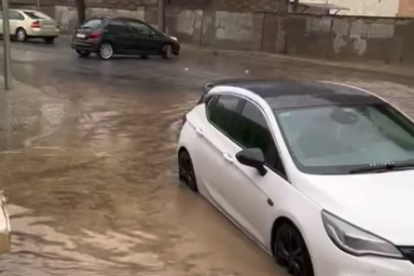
(335,140)
(36,15)
(92,24)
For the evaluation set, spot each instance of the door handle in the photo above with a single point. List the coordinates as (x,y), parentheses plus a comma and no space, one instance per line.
(228,157)
(199,131)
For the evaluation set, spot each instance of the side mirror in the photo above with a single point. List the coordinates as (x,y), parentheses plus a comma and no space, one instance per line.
(252,158)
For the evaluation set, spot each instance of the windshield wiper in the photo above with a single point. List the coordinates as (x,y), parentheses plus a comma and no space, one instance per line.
(383,168)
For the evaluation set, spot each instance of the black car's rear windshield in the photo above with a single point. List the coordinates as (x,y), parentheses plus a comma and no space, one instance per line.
(92,24)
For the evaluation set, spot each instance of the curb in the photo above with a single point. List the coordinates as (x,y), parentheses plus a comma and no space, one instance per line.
(381,68)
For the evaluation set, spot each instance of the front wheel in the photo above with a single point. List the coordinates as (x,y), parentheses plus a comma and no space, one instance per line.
(105,51)
(83,53)
(166,52)
(186,170)
(291,251)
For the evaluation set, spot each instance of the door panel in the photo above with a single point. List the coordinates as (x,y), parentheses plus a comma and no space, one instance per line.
(220,113)
(245,190)
(116,33)
(145,42)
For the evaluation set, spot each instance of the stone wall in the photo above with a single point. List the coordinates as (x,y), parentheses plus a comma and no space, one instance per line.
(230,5)
(328,37)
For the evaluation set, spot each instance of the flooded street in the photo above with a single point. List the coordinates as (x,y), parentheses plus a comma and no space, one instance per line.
(91,179)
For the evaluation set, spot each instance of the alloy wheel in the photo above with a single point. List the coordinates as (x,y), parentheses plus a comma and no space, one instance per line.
(291,252)
(186,171)
(21,35)
(106,51)
(167,52)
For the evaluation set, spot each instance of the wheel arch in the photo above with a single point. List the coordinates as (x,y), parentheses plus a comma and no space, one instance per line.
(275,227)
(181,149)
(19,28)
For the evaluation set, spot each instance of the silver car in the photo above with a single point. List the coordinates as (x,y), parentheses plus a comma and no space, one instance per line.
(26,24)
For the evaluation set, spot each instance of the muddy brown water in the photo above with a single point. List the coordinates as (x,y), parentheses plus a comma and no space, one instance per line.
(100,196)
(92,187)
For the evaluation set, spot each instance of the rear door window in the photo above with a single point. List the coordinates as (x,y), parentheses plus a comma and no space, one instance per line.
(15,15)
(223,111)
(116,26)
(92,24)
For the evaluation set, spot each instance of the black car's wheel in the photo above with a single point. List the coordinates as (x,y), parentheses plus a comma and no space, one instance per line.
(290,251)
(83,53)
(166,51)
(21,35)
(105,51)
(49,40)
(186,170)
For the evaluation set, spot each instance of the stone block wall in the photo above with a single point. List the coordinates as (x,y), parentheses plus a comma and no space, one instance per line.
(330,37)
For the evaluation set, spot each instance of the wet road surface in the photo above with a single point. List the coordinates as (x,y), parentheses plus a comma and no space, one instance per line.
(98,195)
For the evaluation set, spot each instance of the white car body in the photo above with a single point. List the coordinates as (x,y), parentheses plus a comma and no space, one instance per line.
(256,203)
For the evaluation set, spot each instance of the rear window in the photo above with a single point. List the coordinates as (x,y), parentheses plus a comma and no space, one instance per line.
(36,15)
(92,24)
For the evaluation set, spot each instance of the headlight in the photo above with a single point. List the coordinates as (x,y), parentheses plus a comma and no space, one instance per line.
(174,38)
(356,241)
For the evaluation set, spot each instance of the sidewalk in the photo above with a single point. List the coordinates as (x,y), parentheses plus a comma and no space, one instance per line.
(27,114)
(375,67)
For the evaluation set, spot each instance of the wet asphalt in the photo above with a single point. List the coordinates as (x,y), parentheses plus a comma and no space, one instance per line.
(98,195)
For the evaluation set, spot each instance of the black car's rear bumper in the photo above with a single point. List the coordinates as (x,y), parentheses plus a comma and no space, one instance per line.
(84,45)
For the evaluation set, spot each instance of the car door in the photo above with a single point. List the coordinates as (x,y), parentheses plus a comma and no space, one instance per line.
(213,137)
(117,34)
(15,20)
(245,191)
(144,38)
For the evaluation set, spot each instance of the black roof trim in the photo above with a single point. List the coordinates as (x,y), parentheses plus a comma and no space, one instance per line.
(229,82)
(285,93)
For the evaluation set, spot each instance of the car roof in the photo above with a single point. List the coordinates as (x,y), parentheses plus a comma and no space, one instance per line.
(119,18)
(287,94)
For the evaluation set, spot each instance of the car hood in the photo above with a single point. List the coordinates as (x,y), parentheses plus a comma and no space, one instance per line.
(381,203)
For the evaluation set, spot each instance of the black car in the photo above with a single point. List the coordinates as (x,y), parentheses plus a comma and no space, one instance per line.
(107,36)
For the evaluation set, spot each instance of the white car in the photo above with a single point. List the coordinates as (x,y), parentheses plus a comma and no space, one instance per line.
(319,174)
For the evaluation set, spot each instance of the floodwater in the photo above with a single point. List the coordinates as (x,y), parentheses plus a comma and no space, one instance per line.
(92,183)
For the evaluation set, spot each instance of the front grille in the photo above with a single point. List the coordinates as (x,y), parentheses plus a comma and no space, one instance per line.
(408,252)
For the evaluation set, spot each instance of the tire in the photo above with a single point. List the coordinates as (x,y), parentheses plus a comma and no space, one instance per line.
(186,170)
(49,40)
(290,251)
(105,51)
(166,51)
(21,35)
(83,53)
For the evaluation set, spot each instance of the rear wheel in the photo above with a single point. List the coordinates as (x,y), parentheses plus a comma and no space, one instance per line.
(186,170)
(83,53)
(21,35)
(105,51)
(49,40)
(290,251)
(166,51)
